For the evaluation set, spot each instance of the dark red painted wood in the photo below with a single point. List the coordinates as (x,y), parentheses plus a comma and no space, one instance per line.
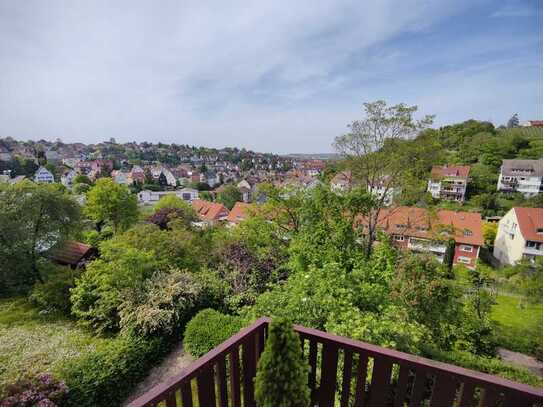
(312,365)
(186,394)
(328,375)
(490,397)
(401,388)
(361,375)
(380,382)
(418,388)
(235,386)
(206,387)
(444,391)
(466,397)
(514,394)
(170,399)
(222,380)
(347,374)
(249,371)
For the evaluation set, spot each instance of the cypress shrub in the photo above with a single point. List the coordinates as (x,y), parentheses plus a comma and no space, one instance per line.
(281,379)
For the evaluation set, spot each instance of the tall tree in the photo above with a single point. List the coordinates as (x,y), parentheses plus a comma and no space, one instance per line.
(513,121)
(229,196)
(108,202)
(33,218)
(373,151)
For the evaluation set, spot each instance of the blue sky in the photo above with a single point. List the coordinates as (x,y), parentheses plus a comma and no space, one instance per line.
(277,76)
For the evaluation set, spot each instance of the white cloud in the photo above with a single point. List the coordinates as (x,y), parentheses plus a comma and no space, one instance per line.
(277,76)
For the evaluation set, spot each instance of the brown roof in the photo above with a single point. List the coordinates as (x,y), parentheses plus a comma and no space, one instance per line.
(537,123)
(455,171)
(239,212)
(209,210)
(71,253)
(530,220)
(419,222)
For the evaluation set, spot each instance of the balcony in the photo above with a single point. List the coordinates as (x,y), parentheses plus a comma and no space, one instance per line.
(421,245)
(343,372)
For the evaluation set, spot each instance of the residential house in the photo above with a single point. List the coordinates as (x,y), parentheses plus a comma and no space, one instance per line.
(121,177)
(137,174)
(449,182)
(384,191)
(52,156)
(524,176)
(67,178)
(70,162)
(420,230)
(342,182)
(239,213)
(210,213)
(5,154)
(533,123)
(211,178)
(520,235)
(147,197)
(44,175)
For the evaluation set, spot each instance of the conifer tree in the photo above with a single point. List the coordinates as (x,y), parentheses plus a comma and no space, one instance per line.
(281,379)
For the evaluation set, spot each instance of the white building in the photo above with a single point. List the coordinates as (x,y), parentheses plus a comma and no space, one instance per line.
(67,179)
(44,175)
(147,197)
(383,190)
(520,235)
(524,176)
(449,182)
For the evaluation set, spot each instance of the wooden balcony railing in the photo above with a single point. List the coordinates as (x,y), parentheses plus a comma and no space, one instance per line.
(343,372)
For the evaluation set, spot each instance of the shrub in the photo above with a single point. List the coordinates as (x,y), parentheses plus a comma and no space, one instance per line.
(484,364)
(208,329)
(281,378)
(54,293)
(42,390)
(161,304)
(105,377)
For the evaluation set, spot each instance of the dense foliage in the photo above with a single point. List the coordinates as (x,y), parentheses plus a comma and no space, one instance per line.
(208,329)
(281,378)
(41,390)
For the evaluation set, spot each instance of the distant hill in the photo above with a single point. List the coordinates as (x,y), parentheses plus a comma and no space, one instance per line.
(317,156)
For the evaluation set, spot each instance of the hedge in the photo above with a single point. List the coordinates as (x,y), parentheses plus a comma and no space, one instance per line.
(208,329)
(106,377)
(492,366)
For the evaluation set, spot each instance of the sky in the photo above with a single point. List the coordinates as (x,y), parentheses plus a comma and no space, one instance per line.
(273,76)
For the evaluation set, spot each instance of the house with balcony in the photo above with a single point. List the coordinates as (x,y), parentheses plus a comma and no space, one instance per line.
(444,234)
(147,197)
(449,182)
(520,236)
(341,372)
(210,213)
(524,176)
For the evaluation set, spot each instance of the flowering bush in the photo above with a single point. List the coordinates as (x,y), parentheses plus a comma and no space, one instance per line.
(42,390)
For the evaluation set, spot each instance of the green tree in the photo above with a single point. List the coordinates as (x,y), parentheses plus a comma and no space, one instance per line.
(281,378)
(372,150)
(108,202)
(33,219)
(489,233)
(174,202)
(513,121)
(229,196)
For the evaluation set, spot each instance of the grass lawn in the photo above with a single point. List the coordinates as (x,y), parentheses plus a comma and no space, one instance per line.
(519,329)
(33,343)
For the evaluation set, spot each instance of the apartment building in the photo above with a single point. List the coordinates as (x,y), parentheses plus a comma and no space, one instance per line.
(449,182)
(524,176)
(443,233)
(520,236)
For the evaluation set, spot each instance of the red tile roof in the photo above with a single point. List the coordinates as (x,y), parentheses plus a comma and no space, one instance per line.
(529,221)
(455,171)
(239,212)
(419,222)
(209,210)
(536,123)
(71,253)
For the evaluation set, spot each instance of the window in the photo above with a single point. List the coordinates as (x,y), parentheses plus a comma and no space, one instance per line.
(465,260)
(400,225)
(398,238)
(422,228)
(539,231)
(530,244)
(466,248)
(468,232)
